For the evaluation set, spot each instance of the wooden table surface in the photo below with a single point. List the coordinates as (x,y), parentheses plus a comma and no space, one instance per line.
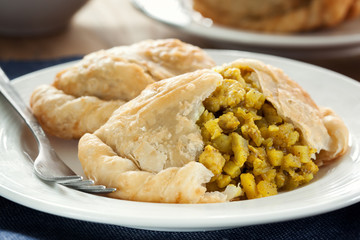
(102,24)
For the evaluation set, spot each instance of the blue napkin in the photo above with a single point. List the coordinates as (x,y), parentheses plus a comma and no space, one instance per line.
(19,222)
(14,69)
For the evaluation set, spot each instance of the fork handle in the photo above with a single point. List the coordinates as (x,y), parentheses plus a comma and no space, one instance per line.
(49,167)
(21,108)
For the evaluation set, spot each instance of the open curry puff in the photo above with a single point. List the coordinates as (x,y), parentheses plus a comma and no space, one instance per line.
(240,131)
(84,95)
(281,16)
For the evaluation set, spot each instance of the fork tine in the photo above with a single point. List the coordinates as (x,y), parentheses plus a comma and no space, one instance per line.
(68,178)
(47,165)
(106,190)
(77,183)
(86,186)
(89,187)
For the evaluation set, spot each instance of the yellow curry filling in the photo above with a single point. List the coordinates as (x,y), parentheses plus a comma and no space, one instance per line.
(248,146)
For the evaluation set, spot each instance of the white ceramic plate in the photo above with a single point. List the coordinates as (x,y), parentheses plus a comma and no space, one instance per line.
(178,13)
(336,185)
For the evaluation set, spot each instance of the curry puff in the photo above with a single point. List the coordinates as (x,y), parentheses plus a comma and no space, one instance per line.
(240,131)
(83,96)
(279,16)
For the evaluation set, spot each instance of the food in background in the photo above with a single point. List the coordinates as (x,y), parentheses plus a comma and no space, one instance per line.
(279,16)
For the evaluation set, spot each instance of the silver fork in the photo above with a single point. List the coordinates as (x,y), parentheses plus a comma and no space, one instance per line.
(47,165)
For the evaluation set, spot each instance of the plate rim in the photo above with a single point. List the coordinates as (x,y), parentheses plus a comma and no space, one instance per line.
(254,39)
(168,226)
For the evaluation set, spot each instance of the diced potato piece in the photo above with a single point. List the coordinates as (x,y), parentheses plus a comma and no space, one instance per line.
(290,135)
(268,142)
(291,172)
(261,123)
(245,130)
(213,128)
(273,128)
(251,158)
(275,157)
(302,152)
(223,143)
(254,98)
(310,167)
(286,129)
(249,129)
(231,169)
(248,184)
(291,161)
(286,136)
(258,151)
(205,116)
(223,180)
(260,167)
(293,138)
(280,179)
(234,93)
(255,133)
(308,177)
(228,94)
(293,182)
(233,73)
(266,189)
(206,135)
(212,159)
(228,122)
(245,114)
(227,157)
(240,114)
(240,149)
(273,119)
(270,175)
(270,114)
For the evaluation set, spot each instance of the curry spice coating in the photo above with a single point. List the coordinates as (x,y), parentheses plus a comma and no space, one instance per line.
(247,144)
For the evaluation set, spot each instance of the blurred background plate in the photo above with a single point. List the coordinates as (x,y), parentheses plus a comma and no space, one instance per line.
(344,40)
(36,17)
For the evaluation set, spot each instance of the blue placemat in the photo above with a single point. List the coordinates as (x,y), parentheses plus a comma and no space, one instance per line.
(19,222)
(14,69)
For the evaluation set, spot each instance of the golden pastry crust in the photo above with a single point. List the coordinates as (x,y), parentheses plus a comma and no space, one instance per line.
(119,73)
(171,185)
(123,72)
(280,16)
(158,130)
(69,117)
(339,137)
(149,147)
